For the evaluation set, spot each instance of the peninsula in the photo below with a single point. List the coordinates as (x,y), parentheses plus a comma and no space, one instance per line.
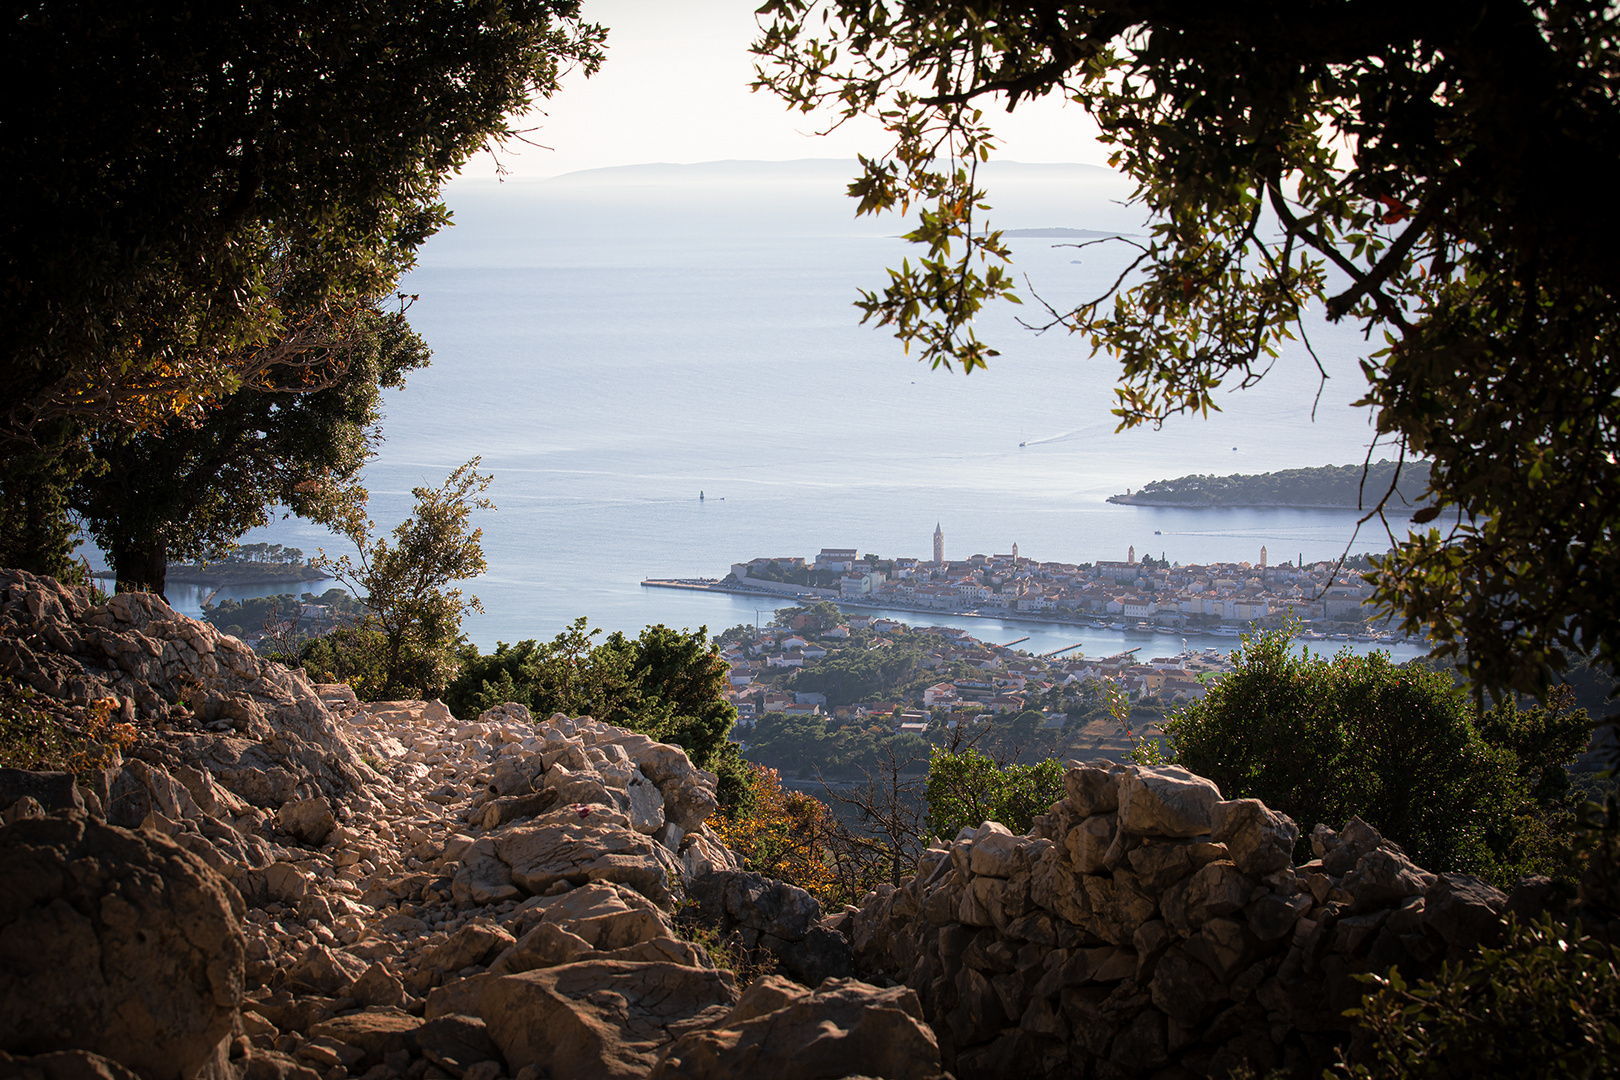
(1327,487)
(1330,599)
(249,564)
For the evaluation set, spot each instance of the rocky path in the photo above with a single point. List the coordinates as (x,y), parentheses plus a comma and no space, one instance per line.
(279,881)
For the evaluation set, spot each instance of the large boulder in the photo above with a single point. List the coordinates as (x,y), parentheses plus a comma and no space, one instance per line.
(541,855)
(62,1065)
(775,917)
(117,942)
(137,650)
(1166,800)
(786,1032)
(599,1018)
(55,792)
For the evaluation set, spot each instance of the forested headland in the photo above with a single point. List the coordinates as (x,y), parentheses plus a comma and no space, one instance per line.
(1328,487)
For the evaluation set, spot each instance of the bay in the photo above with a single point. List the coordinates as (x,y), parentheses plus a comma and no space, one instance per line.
(613,343)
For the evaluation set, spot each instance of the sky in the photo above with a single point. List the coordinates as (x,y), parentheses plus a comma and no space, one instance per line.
(674,89)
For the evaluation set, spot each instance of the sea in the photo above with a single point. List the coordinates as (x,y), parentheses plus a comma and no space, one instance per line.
(663,371)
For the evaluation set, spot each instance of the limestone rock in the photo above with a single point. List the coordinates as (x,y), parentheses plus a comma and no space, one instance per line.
(378,986)
(119,943)
(605,915)
(646,804)
(63,1065)
(1260,839)
(54,792)
(310,820)
(1093,788)
(375,1033)
(542,855)
(547,945)
(484,877)
(842,1028)
(1165,800)
(1464,910)
(602,1018)
(473,944)
(780,918)
(456,1043)
(326,971)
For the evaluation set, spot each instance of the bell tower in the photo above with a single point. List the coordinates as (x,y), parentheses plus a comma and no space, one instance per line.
(939,545)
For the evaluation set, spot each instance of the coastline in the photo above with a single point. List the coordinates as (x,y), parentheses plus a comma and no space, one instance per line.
(226,575)
(719,586)
(1234,504)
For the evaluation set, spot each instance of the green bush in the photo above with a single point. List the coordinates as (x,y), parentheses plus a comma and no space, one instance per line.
(1404,748)
(968,788)
(1545,1004)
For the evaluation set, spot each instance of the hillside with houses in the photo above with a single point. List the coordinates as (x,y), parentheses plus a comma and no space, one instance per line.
(821,689)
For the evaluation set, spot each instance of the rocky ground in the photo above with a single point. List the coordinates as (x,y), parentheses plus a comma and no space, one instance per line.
(278,881)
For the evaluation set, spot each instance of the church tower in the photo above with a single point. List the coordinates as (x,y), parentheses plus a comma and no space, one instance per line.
(1015,552)
(939,545)
(1262,556)
(1130,555)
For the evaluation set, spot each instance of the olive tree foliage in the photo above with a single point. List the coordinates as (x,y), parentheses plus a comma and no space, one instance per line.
(188,488)
(169,165)
(1436,173)
(406,642)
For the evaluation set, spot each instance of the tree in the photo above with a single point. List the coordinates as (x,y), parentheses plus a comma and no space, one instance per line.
(1402,747)
(188,488)
(413,608)
(1431,171)
(823,616)
(37,533)
(167,163)
(967,788)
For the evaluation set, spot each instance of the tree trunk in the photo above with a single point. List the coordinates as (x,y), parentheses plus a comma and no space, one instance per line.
(141,567)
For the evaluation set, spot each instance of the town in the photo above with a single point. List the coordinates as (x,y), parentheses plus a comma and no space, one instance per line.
(1328,599)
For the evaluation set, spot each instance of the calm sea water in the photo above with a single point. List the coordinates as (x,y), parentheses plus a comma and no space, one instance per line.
(613,343)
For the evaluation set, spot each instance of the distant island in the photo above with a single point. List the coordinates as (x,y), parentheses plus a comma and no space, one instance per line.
(249,564)
(1327,487)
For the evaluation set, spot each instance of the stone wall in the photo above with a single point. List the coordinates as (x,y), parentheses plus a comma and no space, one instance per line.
(1145,926)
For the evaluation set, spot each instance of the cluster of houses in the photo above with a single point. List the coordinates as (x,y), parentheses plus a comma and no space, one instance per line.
(1121,594)
(1005,680)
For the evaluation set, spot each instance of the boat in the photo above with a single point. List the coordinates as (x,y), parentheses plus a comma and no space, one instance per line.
(1226,631)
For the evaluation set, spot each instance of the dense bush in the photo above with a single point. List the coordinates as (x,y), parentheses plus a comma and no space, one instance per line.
(968,788)
(1404,748)
(1546,1004)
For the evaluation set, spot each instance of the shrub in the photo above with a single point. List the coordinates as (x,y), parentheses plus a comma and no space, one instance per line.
(1402,747)
(35,733)
(968,788)
(781,834)
(1545,1004)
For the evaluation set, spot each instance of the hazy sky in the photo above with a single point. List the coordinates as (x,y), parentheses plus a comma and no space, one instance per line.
(675,89)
